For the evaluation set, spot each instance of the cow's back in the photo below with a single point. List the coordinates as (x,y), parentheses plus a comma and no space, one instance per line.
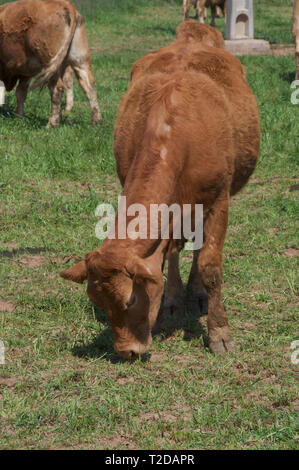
(214,110)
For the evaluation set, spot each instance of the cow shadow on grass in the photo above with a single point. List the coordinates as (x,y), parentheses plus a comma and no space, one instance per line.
(22,251)
(167,326)
(288,76)
(8,112)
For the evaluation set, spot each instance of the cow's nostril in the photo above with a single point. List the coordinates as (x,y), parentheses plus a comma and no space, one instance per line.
(134,351)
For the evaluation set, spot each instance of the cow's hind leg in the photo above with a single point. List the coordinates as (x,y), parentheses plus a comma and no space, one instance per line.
(174,291)
(68,87)
(21,93)
(209,275)
(56,89)
(79,59)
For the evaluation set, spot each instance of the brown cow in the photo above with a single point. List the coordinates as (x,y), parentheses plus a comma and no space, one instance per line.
(201,9)
(187,132)
(295,30)
(38,40)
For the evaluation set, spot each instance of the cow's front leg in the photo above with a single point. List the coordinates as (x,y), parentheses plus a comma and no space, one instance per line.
(56,89)
(21,94)
(197,297)
(209,265)
(174,290)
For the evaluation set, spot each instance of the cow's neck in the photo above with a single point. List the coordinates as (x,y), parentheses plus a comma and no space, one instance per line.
(150,180)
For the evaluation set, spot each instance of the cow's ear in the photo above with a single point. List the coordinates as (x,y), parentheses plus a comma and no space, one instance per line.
(140,269)
(77,273)
(149,268)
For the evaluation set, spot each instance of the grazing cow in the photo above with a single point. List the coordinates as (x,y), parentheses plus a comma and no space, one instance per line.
(295,30)
(38,40)
(187,132)
(201,9)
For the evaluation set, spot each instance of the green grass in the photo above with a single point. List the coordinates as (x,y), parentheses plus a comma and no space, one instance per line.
(62,386)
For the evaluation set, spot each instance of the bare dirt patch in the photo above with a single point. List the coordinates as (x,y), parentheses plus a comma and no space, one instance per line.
(6,306)
(125,380)
(282,49)
(172,416)
(33,261)
(9,381)
(291,252)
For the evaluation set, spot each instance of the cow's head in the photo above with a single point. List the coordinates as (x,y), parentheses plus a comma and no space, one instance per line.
(129,289)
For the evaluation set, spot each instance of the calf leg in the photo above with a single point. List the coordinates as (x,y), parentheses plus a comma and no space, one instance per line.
(21,93)
(213,14)
(218,12)
(56,89)
(68,86)
(174,291)
(186,8)
(200,10)
(79,59)
(209,275)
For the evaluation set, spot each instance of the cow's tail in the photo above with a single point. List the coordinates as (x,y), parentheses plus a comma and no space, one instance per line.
(46,73)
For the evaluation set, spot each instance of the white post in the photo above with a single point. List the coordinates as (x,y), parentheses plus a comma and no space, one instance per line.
(2,93)
(240,30)
(239,22)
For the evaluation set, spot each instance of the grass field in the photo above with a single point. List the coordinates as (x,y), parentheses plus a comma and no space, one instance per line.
(62,386)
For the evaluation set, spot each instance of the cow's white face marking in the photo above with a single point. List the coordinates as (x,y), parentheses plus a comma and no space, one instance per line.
(166,128)
(163,152)
(163,129)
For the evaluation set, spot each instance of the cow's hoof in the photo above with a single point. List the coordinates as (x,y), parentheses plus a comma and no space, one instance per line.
(51,125)
(197,302)
(67,109)
(221,347)
(220,340)
(96,120)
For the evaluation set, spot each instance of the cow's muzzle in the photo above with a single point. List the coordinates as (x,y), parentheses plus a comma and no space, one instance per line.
(133,350)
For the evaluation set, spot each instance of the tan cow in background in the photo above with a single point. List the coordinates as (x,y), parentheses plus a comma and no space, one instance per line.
(187,132)
(38,40)
(295,31)
(201,9)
